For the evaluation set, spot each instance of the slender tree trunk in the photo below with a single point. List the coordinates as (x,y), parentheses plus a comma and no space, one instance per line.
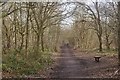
(7,35)
(15,27)
(38,42)
(107,41)
(100,43)
(21,46)
(100,36)
(57,39)
(119,39)
(107,35)
(119,33)
(21,31)
(99,27)
(27,35)
(42,42)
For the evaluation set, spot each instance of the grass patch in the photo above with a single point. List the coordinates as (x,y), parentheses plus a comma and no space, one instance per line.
(111,52)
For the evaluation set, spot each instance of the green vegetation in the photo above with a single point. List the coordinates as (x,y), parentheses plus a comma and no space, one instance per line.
(19,65)
(29,36)
(110,52)
(32,30)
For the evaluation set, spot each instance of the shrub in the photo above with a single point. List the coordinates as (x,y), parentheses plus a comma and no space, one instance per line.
(20,65)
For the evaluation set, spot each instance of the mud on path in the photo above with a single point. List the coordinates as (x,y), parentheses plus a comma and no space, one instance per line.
(82,66)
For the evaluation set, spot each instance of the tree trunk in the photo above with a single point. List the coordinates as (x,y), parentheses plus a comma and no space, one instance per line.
(42,42)
(107,42)
(15,27)
(27,34)
(100,43)
(7,45)
(21,46)
(21,30)
(38,42)
(107,35)
(119,33)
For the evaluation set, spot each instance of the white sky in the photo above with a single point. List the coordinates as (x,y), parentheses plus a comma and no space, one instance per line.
(89,2)
(56,0)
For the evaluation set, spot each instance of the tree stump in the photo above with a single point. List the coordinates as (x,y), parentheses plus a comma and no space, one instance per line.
(97,58)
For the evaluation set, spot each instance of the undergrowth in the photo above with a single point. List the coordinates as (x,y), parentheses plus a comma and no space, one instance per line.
(19,64)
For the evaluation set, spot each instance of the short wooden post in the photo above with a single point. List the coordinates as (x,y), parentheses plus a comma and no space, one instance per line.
(97,58)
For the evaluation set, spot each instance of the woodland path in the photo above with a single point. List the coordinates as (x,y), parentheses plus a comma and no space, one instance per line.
(82,65)
(69,65)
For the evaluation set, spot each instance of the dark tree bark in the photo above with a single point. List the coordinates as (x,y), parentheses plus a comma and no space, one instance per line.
(119,33)
(42,42)
(7,45)
(15,27)
(27,32)
(100,42)
(99,28)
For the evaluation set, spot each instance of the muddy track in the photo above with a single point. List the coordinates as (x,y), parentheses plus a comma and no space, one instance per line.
(69,65)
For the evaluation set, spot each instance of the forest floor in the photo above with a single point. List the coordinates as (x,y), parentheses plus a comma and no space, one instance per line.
(81,64)
(70,63)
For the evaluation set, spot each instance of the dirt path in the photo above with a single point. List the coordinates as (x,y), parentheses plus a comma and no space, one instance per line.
(69,65)
(81,65)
